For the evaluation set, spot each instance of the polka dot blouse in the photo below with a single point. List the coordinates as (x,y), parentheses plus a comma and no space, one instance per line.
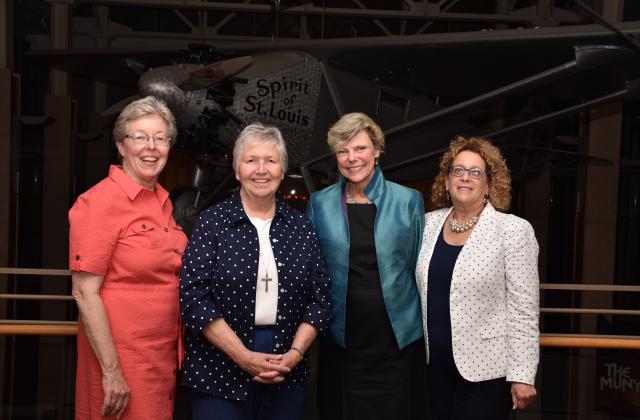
(218,279)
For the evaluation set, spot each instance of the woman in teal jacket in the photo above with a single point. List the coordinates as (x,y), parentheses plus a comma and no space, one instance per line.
(372,364)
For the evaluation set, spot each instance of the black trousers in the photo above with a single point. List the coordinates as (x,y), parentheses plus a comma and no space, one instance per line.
(454,398)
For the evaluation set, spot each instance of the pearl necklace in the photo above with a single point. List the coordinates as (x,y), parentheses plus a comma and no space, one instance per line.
(462,227)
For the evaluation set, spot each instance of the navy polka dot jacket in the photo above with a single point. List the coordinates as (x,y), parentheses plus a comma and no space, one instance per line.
(218,279)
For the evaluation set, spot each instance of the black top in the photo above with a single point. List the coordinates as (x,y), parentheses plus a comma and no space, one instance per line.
(362,247)
(439,278)
(366,313)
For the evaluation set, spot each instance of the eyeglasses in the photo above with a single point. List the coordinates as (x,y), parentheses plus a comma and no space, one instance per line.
(475,173)
(143,138)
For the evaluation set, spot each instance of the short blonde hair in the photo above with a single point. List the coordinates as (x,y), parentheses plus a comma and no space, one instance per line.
(350,125)
(498,175)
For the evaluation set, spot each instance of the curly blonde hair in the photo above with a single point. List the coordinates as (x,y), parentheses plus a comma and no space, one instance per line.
(498,175)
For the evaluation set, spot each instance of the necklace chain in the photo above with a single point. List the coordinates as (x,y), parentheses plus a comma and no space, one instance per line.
(266,279)
(462,227)
(350,198)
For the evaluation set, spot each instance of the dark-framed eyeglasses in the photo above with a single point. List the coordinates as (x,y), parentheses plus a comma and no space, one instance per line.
(143,138)
(475,173)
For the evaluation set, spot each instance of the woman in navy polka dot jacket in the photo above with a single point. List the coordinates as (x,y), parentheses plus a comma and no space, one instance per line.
(254,293)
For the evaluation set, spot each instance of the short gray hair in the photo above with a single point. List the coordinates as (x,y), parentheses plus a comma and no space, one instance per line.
(259,133)
(149,105)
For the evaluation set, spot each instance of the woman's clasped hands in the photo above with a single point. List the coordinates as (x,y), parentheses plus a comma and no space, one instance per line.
(268,368)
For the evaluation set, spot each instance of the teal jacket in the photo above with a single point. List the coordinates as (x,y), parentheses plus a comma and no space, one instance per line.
(398,235)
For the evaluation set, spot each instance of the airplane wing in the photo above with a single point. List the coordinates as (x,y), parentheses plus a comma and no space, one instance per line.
(438,64)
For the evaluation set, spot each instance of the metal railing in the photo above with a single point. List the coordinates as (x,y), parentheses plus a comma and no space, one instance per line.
(68,328)
(36,327)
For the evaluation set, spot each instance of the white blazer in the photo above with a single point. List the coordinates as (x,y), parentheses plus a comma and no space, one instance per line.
(494,301)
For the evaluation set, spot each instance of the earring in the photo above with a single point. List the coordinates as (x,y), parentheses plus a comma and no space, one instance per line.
(376,161)
(448,197)
(486,199)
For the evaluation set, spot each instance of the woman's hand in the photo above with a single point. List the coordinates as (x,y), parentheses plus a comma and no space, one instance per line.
(264,368)
(116,393)
(289,359)
(305,334)
(522,394)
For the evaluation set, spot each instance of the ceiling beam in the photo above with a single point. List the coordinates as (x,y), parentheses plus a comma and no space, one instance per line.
(378,23)
(310,10)
(184,19)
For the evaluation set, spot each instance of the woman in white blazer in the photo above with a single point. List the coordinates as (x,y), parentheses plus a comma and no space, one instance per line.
(478,281)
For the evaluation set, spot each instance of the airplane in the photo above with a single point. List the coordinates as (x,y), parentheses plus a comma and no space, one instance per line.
(212,101)
(422,89)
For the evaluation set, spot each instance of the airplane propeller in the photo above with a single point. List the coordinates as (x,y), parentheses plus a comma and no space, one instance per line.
(174,82)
